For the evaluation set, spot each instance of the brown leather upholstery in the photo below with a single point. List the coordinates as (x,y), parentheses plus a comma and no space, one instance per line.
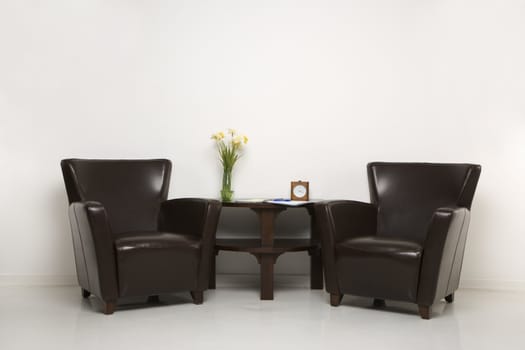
(408,243)
(128,239)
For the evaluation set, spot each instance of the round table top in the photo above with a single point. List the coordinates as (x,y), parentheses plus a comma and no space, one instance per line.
(253,205)
(261,204)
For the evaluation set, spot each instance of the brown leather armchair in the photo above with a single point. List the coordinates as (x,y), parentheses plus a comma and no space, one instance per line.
(128,239)
(408,244)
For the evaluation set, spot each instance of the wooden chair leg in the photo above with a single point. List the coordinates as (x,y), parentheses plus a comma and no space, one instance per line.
(154,299)
(197,296)
(425,312)
(109,307)
(450,298)
(85,293)
(379,303)
(211,282)
(335,299)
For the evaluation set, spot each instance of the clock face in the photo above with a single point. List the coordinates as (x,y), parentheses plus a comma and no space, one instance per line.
(299,191)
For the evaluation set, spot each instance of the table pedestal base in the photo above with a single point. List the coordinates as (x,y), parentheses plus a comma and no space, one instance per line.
(266,262)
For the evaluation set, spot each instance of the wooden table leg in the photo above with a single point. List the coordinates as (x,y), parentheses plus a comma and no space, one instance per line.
(316,262)
(267,262)
(211,284)
(316,270)
(267,224)
(267,221)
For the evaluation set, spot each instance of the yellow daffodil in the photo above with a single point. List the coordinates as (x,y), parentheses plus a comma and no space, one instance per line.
(218,136)
(245,139)
(232,132)
(237,140)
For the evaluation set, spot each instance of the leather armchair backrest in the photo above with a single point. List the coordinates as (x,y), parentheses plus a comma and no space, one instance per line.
(130,190)
(407,194)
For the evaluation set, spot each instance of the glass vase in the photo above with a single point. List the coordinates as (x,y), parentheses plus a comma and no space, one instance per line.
(226,191)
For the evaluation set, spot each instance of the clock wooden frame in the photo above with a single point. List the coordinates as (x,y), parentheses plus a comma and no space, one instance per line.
(299,183)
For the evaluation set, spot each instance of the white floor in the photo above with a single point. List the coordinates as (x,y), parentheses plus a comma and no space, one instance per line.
(233,317)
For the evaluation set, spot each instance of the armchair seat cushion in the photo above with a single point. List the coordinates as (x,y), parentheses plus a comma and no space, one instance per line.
(381,267)
(151,263)
(380,245)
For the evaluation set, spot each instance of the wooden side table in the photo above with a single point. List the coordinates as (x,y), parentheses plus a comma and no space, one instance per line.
(267,249)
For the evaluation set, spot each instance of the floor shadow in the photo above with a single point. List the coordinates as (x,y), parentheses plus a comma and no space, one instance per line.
(136,303)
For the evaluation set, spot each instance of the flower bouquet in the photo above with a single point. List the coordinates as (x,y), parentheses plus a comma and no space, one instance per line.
(229,145)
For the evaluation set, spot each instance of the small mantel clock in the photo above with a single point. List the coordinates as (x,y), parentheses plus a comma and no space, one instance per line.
(299,191)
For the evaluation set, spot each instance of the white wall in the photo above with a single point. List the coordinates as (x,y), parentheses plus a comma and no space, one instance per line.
(321,87)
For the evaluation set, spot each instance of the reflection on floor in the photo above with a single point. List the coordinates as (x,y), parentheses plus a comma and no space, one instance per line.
(233,317)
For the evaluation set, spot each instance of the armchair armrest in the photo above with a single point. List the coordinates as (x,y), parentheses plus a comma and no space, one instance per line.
(94,251)
(193,216)
(197,217)
(344,219)
(337,221)
(443,254)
